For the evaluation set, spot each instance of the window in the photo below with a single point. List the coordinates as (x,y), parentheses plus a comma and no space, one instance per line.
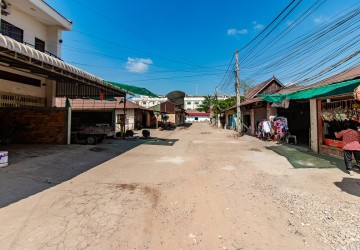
(7,29)
(196,118)
(196,103)
(188,103)
(39,44)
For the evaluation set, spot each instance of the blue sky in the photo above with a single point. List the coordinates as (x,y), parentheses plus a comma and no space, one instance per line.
(167,45)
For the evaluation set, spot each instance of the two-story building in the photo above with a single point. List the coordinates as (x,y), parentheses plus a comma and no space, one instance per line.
(193,102)
(32,74)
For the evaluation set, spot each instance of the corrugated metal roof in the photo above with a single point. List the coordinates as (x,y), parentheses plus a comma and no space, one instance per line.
(348,74)
(99,104)
(11,44)
(36,55)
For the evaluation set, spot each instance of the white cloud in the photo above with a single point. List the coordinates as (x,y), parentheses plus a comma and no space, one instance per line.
(320,19)
(138,65)
(257,26)
(234,32)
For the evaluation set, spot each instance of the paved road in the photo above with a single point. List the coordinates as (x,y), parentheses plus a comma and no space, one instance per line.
(201,189)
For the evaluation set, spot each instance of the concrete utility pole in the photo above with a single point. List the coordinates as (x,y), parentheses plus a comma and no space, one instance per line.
(238,99)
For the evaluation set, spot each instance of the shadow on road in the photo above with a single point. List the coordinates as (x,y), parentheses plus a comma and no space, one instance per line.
(305,158)
(161,142)
(349,185)
(34,168)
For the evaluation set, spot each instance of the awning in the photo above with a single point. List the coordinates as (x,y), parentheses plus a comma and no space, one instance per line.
(346,87)
(71,81)
(133,89)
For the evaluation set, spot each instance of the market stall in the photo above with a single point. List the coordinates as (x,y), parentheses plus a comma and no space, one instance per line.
(334,114)
(276,128)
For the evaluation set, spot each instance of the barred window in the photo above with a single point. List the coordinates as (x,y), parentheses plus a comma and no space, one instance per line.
(12,31)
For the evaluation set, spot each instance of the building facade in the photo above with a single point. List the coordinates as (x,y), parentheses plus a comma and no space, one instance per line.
(147,102)
(37,25)
(32,75)
(193,102)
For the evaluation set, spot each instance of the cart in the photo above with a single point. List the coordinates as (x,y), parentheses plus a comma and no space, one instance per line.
(92,134)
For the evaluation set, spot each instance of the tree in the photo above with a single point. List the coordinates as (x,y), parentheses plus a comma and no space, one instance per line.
(206,104)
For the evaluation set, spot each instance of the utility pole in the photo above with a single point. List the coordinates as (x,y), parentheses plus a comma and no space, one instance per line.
(238,98)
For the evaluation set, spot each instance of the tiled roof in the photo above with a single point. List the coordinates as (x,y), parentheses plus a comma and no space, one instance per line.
(252,100)
(196,113)
(257,89)
(289,89)
(90,104)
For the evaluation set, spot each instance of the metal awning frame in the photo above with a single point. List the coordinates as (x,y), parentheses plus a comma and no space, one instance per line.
(20,61)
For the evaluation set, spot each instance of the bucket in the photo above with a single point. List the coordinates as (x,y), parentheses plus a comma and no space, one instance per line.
(4,159)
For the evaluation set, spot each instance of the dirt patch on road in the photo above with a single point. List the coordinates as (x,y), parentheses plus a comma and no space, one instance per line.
(130,187)
(152,193)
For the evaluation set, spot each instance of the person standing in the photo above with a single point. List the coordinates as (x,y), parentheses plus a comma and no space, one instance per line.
(351,146)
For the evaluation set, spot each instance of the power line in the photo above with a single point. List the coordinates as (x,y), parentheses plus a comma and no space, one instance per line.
(310,45)
(258,43)
(268,26)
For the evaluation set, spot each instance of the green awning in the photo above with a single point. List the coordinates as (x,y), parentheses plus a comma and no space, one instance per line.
(340,88)
(272,98)
(133,89)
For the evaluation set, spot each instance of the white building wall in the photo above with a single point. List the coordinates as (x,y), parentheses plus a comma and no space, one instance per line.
(193,102)
(31,27)
(129,120)
(200,119)
(23,89)
(53,44)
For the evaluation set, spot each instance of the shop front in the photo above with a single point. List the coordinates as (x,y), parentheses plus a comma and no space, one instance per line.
(334,115)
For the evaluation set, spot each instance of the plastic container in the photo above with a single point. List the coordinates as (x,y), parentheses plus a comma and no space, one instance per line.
(4,159)
(334,143)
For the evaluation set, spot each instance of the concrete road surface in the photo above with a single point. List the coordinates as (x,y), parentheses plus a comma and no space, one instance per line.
(202,188)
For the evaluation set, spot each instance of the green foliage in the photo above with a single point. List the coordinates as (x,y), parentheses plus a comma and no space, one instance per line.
(221,105)
(227,103)
(217,105)
(206,104)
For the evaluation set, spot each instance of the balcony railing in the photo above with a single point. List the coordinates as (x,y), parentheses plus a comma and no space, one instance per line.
(46,52)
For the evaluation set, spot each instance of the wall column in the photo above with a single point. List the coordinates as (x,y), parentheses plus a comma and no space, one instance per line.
(271,111)
(252,121)
(50,92)
(314,137)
